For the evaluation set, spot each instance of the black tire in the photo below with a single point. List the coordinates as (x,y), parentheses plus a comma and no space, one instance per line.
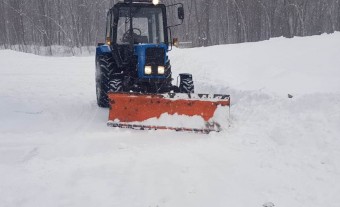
(116,83)
(104,68)
(186,83)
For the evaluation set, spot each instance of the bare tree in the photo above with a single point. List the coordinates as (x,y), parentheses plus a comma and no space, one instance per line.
(77,23)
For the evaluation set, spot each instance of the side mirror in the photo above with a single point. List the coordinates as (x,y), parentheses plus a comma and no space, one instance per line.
(175,42)
(180,11)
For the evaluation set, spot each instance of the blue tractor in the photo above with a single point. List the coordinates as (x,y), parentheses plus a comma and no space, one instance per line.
(133,72)
(135,55)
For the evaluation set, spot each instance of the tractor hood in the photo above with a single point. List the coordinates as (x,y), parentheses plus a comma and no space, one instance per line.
(152,60)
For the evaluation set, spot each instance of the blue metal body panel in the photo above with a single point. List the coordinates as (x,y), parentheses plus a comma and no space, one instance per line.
(101,50)
(140,52)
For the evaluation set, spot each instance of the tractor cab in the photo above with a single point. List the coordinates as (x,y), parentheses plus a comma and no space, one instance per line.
(148,24)
(139,22)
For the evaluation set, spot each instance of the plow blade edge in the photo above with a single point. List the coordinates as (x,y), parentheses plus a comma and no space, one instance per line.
(188,112)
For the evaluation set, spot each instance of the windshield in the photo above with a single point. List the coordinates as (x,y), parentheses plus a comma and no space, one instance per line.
(147,25)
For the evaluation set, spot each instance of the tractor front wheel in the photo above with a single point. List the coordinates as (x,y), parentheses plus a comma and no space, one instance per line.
(186,83)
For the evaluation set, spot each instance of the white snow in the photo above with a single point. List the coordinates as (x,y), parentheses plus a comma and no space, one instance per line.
(195,122)
(56,150)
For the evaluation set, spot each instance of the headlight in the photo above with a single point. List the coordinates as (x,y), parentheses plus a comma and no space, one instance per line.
(161,70)
(155,2)
(148,70)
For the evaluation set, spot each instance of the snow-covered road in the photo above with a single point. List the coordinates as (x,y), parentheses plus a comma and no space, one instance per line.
(55,148)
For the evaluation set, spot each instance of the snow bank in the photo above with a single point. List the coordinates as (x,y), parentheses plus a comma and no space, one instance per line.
(55,148)
(297,66)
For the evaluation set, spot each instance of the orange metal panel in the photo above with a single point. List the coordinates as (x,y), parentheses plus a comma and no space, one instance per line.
(136,108)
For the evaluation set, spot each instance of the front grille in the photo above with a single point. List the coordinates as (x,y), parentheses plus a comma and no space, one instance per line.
(155,56)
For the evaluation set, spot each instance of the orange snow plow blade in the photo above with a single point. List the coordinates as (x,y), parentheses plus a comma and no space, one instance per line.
(140,111)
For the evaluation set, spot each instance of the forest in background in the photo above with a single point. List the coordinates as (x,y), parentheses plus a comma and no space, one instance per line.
(78,23)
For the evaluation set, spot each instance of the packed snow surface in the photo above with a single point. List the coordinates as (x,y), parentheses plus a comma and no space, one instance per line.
(56,150)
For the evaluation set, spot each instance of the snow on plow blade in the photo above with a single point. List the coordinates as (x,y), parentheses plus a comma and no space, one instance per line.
(180,112)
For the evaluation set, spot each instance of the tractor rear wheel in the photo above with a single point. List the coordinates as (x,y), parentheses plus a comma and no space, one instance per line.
(116,83)
(104,68)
